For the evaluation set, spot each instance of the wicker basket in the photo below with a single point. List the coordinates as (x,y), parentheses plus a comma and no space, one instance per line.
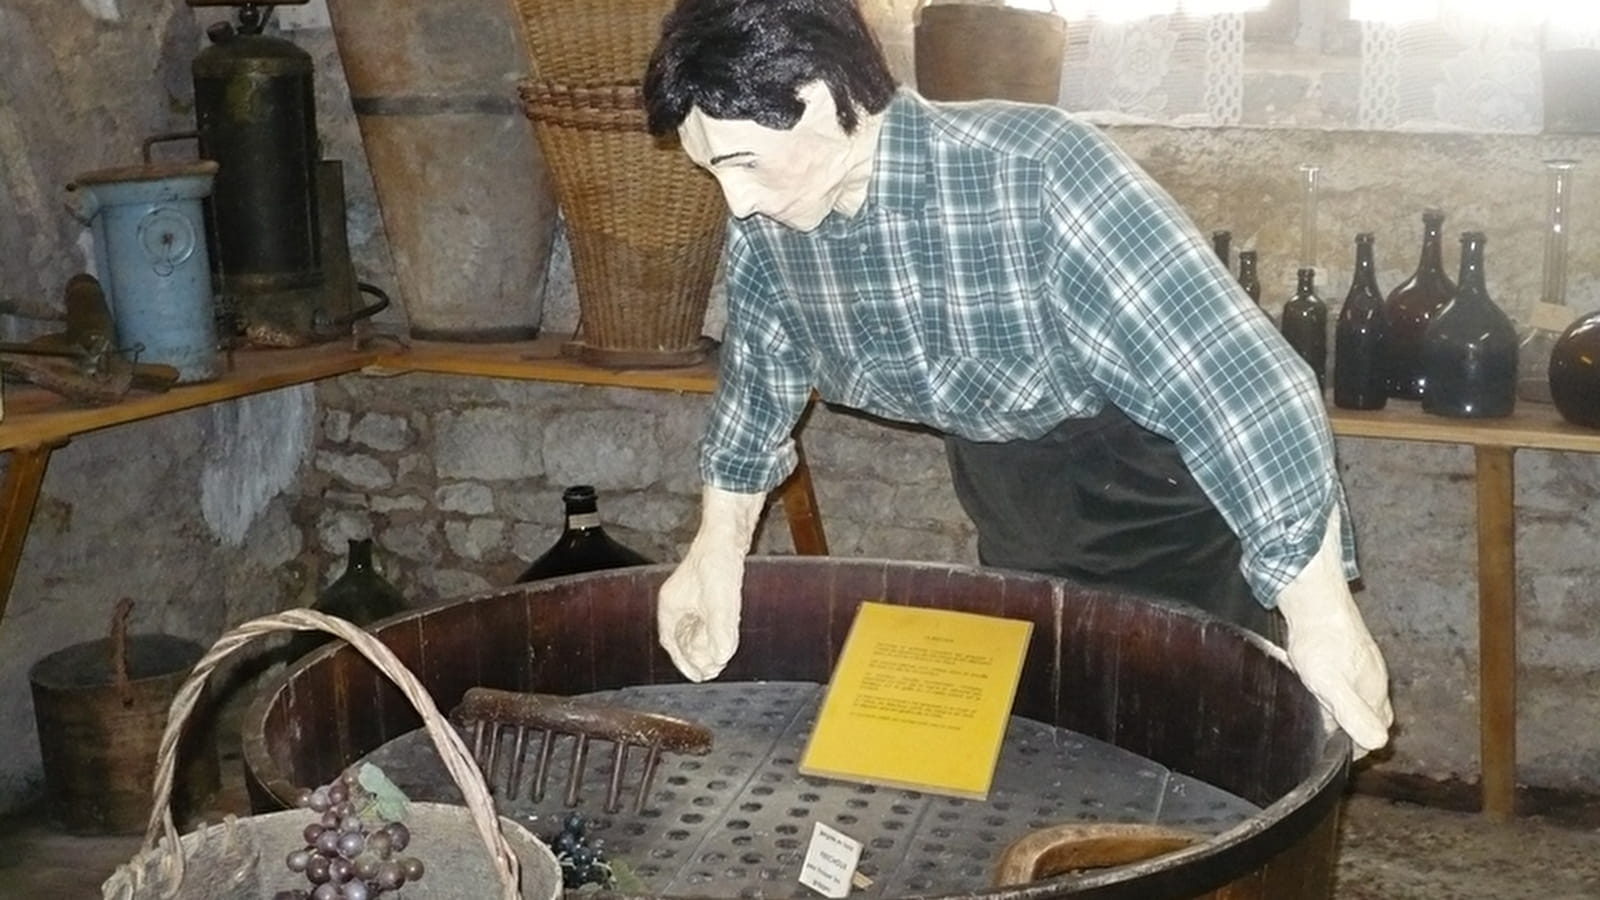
(645,225)
(470,853)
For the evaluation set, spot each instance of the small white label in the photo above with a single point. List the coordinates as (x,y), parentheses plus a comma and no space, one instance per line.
(830,863)
(583,520)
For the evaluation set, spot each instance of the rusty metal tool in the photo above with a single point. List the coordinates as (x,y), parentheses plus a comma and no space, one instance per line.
(487,712)
(83,363)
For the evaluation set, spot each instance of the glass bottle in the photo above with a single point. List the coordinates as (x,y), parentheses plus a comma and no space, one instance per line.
(1411,306)
(1469,354)
(1247,275)
(1305,323)
(1359,378)
(1221,240)
(1549,316)
(584,545)
(1575,372)
(360,596)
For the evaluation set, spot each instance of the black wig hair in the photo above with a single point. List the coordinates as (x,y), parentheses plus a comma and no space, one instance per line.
(748,59)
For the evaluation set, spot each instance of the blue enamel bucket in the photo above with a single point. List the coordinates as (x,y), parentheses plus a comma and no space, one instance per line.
(152,259)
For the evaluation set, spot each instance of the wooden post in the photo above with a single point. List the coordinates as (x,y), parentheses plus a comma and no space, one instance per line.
(1497,630)
(23,478)
(800,509)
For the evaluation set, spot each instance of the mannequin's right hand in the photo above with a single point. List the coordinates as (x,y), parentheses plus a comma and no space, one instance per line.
(697,611)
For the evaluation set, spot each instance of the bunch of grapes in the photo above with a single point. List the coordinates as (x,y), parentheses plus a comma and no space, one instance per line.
(582,860)
(350,853)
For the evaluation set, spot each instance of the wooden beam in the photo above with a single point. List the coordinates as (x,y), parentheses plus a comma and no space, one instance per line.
(17,498)
(1497,630)
(800,509)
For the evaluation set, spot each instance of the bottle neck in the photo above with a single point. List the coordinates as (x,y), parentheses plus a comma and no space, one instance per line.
(360,556)
(1220,242)
(1471,280)
(1306,284)
(1365,278)
(1432,247)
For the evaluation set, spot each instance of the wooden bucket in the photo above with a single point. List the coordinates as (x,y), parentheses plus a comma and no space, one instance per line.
(1170,684)
(469,852)
(974,52)
(466,200)
(100,707)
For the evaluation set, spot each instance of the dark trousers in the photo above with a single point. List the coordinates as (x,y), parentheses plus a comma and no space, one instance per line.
(1109,504)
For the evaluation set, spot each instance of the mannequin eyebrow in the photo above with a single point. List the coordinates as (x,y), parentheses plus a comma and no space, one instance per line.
(724,157)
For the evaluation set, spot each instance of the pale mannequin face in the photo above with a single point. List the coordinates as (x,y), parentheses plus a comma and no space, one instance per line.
(794,176)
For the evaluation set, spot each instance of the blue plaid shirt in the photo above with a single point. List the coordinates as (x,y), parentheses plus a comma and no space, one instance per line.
(1011,269)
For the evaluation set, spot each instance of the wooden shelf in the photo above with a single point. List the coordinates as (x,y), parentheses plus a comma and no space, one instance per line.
(35,416)
(1533,427)
(539,360)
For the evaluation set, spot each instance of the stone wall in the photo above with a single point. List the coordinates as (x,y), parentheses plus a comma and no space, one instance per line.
(215,515)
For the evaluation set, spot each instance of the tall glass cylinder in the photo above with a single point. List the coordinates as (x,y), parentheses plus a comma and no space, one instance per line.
(1549,315)
(1308,215)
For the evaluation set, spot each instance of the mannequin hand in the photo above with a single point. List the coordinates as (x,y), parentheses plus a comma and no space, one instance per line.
(1332,651)
(697,610)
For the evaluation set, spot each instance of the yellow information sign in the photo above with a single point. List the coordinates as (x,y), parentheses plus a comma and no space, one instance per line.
(919,699)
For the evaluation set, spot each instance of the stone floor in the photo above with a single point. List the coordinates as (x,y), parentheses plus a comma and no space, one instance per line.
(1390,851)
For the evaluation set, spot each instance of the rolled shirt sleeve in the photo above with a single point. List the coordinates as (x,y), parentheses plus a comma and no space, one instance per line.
(763,383)
(1173,341)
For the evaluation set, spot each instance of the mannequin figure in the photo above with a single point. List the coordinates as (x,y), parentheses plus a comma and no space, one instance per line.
(1117,410)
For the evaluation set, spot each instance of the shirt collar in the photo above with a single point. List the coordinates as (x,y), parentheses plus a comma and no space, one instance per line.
(901,175)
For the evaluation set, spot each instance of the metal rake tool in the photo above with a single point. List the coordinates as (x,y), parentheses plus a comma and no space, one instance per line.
(490,713)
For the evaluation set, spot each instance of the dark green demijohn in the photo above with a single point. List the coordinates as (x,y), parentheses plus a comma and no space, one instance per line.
(360,596)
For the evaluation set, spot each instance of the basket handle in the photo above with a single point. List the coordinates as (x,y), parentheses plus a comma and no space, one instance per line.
(456,758)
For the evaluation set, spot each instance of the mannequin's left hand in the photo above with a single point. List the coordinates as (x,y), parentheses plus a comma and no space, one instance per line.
(1331,649)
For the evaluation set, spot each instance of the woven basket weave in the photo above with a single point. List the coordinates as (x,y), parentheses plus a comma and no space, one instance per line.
(645,225)
(470,852)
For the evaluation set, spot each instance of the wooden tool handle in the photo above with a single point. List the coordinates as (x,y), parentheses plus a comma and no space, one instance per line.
(119,648)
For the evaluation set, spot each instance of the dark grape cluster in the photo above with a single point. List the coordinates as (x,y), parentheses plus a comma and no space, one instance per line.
(582,860)
(350,853)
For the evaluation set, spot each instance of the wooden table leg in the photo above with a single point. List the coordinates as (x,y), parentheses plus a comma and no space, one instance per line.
(1497,630)
(800,508)
(24,475)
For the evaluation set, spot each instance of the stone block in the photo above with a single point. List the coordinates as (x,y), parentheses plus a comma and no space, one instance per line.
(468,497)
(355,469)
(488,444)
(475,539)
(382,431)
(610,449)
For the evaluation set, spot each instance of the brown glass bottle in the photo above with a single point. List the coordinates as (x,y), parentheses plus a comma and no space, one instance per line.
(1469,354)
(1360,380)
(1305,324)
(584,545)
(1411,306)
(360,596)
(1247,274)
(1575,372)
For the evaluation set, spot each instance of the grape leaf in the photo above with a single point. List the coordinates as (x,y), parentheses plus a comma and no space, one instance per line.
(624,881)
(387,796)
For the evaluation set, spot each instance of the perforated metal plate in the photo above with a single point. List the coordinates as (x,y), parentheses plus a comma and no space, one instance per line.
(735,823)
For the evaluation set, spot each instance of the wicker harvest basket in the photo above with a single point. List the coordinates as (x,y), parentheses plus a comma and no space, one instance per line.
(470,853)
(645,225)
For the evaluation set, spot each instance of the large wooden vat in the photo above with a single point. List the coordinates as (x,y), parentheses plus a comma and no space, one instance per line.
(1198,696)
